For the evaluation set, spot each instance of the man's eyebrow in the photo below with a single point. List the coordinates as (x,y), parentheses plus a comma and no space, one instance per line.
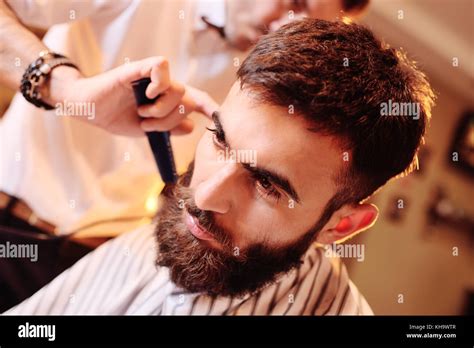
(277,179)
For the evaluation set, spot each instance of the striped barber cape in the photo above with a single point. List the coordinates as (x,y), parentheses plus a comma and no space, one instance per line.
(121,278)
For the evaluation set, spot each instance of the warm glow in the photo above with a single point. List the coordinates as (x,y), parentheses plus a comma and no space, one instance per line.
(346,20)
(151,203)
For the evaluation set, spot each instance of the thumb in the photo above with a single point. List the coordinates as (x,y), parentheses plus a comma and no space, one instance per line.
(204,102)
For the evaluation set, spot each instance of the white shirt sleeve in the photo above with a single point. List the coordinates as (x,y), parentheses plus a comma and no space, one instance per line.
(46,13)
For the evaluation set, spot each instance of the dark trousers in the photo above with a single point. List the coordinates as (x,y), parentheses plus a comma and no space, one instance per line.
(21,277)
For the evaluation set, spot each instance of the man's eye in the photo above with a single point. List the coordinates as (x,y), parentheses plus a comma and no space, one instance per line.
(265,188)
(217,137)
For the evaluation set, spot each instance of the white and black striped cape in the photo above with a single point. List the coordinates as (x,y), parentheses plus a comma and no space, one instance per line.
(121,277)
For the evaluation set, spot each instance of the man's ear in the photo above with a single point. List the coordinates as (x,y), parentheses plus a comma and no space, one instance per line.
(348,221)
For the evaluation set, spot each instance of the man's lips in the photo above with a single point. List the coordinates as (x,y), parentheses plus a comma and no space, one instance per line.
(195,228)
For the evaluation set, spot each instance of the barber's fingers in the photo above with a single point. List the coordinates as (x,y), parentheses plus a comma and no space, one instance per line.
(173,118)
(156,68)
(165,104)
(204,103)
(185,127)
(160,79)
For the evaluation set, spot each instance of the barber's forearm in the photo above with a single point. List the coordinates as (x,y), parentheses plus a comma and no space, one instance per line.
(109,93)
(18,47)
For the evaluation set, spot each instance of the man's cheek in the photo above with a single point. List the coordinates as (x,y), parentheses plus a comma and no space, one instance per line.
(250,230)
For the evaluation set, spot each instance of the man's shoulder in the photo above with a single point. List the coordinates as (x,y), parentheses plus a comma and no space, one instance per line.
(346,297)
(319,286)
(138,242)
(130,239)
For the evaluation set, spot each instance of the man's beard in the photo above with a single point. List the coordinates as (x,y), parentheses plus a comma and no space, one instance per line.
(197,267)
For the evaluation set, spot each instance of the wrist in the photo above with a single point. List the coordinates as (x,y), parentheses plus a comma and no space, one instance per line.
(55,89)
(39,86)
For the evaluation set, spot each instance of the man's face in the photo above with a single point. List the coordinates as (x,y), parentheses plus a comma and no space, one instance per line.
(247,20)
(259,185)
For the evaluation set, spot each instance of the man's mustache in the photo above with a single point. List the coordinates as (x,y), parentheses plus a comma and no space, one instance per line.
(206,219)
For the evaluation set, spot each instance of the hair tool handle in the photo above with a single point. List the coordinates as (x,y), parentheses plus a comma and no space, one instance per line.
(159,141)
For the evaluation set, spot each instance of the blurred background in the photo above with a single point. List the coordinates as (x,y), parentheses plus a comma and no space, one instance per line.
(419,257)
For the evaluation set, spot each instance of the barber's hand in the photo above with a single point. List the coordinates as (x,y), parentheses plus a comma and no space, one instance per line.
(115,108)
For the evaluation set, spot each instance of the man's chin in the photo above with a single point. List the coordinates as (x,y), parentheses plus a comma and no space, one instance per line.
(197,266)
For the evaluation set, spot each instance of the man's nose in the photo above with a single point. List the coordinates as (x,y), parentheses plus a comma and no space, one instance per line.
(217,192)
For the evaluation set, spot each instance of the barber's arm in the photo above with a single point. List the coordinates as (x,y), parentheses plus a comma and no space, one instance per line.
(18,47)
(110,92)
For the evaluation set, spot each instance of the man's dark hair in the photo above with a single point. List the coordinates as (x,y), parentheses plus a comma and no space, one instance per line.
(354,5)
(337,76)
